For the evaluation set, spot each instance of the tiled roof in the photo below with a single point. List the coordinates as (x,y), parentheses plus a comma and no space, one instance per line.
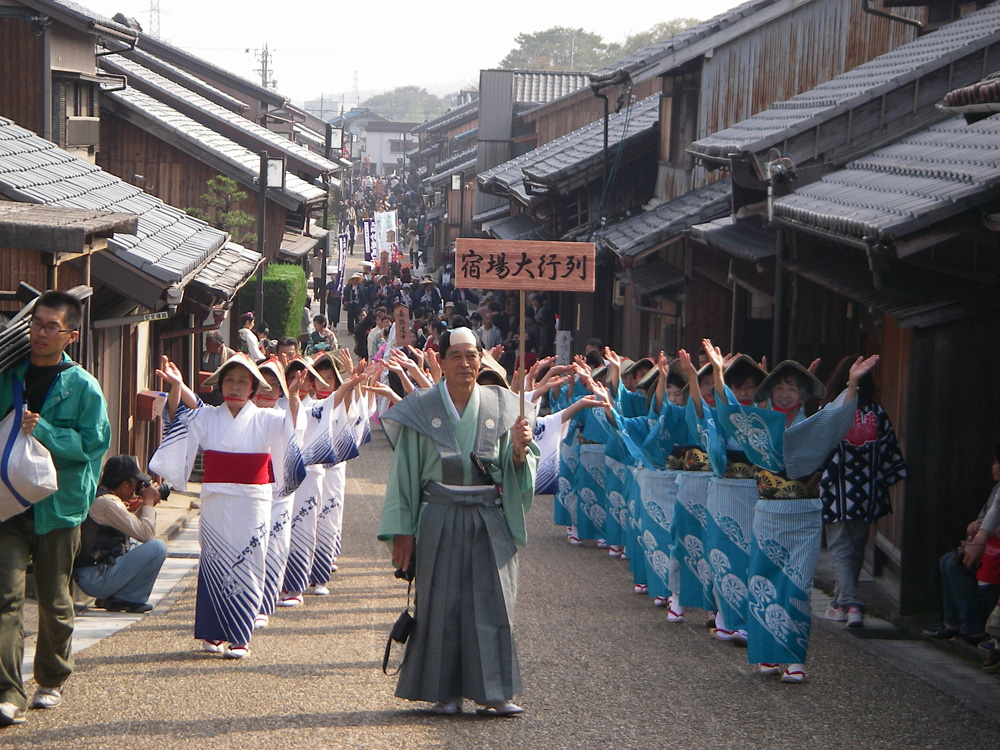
(520,227)
(465,167)
(643,64)
(455,159)
(55,229)
(168,244)
(228,270)
(208,112)
(902,188)
(651,276)
(744,239)
(912,295)
(186,79)
(451,117)
(955,53)
(982,96)
(229,157)
(636,234)
(573,152)
(81,17)
(540,86)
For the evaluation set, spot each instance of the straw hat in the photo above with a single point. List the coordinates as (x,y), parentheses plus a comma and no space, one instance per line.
(240,359)
(814,387)
(274,367)
(741,368)
(305,363)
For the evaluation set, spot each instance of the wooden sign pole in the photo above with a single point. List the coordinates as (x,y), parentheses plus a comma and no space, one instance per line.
(521,353)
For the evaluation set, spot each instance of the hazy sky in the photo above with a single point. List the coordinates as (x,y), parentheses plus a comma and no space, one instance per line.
(439,45)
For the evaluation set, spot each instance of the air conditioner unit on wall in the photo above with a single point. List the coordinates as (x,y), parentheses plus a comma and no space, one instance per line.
(83,131)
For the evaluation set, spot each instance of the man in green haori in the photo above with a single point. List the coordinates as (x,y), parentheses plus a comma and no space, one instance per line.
(461,478)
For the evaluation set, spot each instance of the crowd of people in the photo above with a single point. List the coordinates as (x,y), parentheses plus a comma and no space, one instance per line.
(714,477)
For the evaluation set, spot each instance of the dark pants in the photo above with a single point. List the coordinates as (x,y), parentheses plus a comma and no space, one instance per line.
(333,310)
(352,316)
(52,557)
(967,604)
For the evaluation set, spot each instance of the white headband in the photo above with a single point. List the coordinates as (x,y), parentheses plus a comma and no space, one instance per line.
(462,335)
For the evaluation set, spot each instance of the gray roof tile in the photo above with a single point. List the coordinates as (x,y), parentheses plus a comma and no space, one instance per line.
(574,151)
(214,112)
(902,188)
(636,234)
(233,159)
(965,38)
(168,244)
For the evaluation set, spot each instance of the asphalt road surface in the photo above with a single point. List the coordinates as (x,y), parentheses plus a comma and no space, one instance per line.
(601,667)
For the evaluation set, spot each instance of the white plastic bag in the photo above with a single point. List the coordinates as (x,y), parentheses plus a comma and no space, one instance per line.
(27,473)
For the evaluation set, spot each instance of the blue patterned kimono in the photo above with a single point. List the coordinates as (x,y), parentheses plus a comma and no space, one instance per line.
(786,523)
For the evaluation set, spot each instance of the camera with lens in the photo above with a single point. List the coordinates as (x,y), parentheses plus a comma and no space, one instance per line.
(164,489)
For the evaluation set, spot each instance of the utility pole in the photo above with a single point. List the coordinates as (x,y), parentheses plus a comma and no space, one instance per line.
(263,57)
(154,18)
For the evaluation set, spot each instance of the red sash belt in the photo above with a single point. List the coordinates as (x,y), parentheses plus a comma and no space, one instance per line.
(238,468)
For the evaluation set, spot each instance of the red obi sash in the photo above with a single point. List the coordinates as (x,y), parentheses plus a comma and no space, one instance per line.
(238,468)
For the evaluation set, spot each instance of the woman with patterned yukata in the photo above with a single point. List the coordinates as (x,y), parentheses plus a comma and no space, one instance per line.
(651,493)
(327,441)
(787,450)
(274,396)
(732,494)
(334,369)
(854,488)
(591,495)
(244,448)
(619,461)
(689,519)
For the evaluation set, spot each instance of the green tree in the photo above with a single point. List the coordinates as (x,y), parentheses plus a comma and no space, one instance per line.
(222,199)
(636,42)
(563,48)
(558,48)
(406,104)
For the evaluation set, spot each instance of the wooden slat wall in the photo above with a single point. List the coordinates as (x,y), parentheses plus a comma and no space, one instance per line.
(949,445)
(21,85)
(170,174)
(582,109)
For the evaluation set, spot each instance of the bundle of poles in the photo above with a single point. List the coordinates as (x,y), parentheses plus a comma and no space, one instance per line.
(15,342)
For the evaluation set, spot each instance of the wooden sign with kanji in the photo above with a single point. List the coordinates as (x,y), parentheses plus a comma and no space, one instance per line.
(526,265)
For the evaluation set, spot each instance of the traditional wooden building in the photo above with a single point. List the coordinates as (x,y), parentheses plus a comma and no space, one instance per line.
(859,211)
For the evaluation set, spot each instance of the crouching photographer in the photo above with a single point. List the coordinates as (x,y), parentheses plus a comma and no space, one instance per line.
(110,566)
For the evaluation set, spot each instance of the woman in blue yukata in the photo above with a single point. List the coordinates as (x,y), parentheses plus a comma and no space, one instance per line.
(787,450)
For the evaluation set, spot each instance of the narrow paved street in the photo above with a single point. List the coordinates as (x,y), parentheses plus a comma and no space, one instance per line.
(601,668)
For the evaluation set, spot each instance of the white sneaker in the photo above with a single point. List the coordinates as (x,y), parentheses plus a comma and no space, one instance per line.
(46,698)
(320,591)
(836,614)
(855,618)
(10,714)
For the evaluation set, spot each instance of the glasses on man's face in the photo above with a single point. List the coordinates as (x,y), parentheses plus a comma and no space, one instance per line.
(50,329)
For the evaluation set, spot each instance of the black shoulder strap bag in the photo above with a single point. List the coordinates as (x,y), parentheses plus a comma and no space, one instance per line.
(401,629)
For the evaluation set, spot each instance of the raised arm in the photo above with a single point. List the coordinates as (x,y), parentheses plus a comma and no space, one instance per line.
(694,393)
(714,355)
(170,373)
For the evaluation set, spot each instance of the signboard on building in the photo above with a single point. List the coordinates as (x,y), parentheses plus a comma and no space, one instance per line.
(525,265)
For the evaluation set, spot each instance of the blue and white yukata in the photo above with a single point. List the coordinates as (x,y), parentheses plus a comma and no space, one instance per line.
(242,454)
(732,494)
(591,493)
(690,518)
(280,534)
(787,525)
(336,443)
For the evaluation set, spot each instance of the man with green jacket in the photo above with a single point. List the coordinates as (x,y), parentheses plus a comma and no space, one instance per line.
(65,410)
